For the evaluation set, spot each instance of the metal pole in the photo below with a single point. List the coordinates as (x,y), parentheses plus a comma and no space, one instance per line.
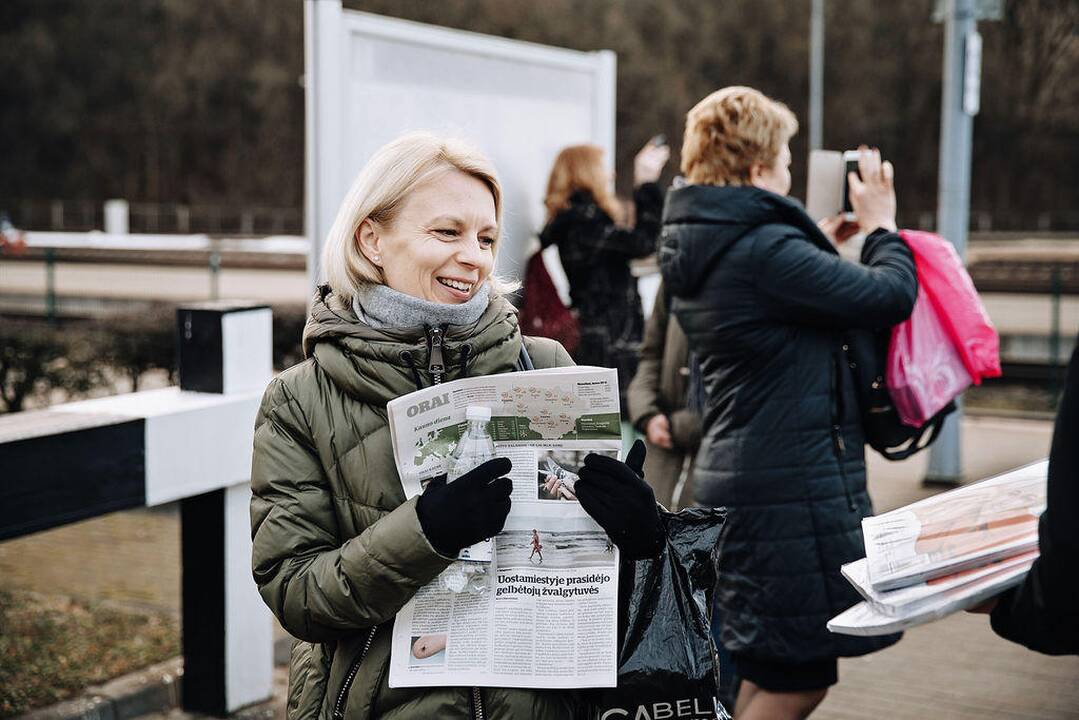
(50,285)
(953,195)
(816,76)
(1054,335)
(215,274)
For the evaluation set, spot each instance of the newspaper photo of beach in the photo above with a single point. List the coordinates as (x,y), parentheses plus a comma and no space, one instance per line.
(556,550)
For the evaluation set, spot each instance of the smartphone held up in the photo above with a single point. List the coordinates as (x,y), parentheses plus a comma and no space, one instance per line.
(827,190)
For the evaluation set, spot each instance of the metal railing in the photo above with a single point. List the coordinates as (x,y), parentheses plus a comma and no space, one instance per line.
(147,217)
(86,215)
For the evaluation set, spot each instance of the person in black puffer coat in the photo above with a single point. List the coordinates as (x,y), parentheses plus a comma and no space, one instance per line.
(596,251)
(764,299)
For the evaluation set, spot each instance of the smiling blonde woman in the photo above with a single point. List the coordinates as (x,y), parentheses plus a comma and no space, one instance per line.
(410,302)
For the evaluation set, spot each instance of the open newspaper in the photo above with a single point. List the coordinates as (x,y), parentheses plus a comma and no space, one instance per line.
(543,613)
(947,553)
(960,529)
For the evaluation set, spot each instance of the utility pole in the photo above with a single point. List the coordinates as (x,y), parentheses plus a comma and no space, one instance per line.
(959,105)
(816,76)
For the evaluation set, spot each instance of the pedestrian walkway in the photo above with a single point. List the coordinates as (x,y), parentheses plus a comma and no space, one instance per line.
(954,669)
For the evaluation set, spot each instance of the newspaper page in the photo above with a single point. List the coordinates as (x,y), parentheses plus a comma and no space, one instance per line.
(957,530)
(543,612)
(865,619)
(908,600)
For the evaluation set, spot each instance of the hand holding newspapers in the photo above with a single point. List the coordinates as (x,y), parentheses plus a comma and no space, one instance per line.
(543,614)
(946,553)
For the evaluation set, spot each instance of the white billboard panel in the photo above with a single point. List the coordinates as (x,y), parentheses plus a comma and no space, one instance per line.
(371,78)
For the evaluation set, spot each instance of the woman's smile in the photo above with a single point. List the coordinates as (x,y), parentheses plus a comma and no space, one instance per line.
(459,290)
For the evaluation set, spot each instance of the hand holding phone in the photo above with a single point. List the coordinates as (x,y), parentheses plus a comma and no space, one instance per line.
(850,165)
(649,162)
(834,177)
(871,191)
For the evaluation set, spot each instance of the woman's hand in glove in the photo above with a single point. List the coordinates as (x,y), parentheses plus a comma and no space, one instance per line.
(617,497)
(471,508)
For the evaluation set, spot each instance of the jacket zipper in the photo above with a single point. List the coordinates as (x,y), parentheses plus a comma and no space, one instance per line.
(477,704)
(436,366)
(339,706)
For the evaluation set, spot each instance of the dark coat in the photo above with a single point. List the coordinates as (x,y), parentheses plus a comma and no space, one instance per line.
(660,387)
(764,299)
(661,383)
(1043,612)
(595,254)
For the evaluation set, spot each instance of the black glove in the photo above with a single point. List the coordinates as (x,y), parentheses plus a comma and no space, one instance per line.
(471,508)
(617,497)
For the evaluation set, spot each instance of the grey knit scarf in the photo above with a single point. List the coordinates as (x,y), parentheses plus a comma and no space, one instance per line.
(380,306)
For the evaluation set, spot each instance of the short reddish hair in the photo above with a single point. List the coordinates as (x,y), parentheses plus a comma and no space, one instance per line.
(731,130)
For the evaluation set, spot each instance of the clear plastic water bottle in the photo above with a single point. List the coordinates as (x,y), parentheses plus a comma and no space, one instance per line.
(469,573)
(475,447)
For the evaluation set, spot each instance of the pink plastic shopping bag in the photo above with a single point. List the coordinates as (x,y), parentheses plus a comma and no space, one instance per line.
(961,313)
(925,371)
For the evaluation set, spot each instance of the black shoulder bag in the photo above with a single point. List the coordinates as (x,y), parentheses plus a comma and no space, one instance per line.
(867,355)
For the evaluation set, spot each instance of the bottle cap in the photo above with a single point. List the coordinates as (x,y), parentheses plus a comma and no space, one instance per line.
(478,412)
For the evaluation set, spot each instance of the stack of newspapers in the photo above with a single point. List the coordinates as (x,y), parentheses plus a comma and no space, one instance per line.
(946,553)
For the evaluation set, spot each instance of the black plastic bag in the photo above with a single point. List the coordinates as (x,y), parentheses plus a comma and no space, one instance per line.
(668,668)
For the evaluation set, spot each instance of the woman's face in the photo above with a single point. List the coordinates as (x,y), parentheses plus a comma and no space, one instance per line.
(440,247)
(777,176)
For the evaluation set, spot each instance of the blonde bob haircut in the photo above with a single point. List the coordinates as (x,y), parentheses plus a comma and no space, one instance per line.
(379,192)
(731,130)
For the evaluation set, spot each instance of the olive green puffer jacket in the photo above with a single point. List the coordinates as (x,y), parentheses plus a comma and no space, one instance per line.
(337,550)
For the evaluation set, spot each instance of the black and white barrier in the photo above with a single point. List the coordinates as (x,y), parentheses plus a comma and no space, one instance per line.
(190,443)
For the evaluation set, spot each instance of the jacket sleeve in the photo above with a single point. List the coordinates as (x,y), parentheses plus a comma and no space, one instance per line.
(642,395)
(318,586)
(546,352)
(808,285)
(1042,613)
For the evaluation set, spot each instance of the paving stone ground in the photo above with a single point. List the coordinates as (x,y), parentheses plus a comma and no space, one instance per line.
(953,669)
(956,668)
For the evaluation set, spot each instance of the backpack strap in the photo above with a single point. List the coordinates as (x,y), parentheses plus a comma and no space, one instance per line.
(920,442)
(524,361)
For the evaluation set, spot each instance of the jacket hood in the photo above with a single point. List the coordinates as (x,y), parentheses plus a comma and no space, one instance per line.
(702,222)
(377,365)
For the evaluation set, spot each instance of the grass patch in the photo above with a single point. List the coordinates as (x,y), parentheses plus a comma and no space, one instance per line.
(52,647)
